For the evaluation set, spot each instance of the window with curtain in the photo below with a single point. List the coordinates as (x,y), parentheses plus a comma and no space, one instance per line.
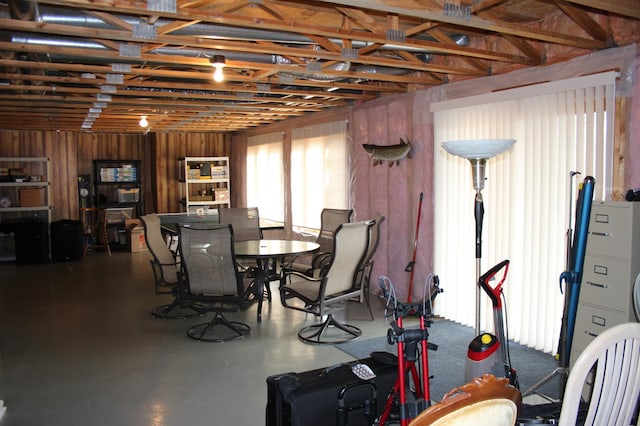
(529,196)
(265,175)
(319,171)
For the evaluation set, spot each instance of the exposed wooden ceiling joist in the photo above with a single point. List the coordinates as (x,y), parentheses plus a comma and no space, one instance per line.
(283,58)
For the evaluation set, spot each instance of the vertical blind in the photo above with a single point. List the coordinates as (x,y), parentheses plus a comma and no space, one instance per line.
(319,171)
(265,175)
(559,127)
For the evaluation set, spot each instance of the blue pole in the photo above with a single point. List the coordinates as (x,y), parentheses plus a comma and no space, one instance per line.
(573,277)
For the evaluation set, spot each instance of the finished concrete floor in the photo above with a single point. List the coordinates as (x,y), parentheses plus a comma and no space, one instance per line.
(78,346)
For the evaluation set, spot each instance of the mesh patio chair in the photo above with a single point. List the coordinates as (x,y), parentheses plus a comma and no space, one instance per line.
(364,273)
(246,226)
(210,277)
(166,267)
(330,219)
(331,288)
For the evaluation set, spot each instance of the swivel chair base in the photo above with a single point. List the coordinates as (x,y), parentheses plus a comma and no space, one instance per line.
(178,311)
(329,332)
(219,329)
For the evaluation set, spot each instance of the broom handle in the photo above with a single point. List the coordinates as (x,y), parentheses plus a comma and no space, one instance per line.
(411,265)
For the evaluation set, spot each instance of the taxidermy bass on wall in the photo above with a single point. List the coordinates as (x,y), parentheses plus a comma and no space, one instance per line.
(391,153)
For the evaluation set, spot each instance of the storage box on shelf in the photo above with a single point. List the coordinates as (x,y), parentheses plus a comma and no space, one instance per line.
(33,197)
(204,183)
(611,265)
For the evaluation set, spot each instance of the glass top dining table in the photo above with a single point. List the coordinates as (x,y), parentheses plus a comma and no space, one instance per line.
(266,253)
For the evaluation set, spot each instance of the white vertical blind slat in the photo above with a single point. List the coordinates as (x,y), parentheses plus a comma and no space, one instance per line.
(525,197)
(265,175)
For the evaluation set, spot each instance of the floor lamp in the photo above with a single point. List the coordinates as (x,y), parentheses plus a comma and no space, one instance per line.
(478,151)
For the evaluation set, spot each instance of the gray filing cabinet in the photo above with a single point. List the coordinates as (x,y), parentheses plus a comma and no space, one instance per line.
(611,265)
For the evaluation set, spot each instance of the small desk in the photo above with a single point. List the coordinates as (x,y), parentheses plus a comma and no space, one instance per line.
(266,250)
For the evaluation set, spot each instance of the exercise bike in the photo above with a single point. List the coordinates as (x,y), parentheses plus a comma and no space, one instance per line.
(412,345)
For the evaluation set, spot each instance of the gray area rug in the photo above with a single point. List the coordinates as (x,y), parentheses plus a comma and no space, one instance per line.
(447,363)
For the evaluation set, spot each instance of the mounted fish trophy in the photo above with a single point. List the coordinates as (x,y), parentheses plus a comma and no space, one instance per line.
(391,153)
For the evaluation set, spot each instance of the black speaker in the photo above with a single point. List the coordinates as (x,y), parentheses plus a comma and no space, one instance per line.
(66,240)
(32,241)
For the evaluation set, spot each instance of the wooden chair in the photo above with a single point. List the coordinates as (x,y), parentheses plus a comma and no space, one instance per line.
(486,400)
(94,228)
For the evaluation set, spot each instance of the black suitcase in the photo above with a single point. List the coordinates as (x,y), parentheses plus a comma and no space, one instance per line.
(329,396)
(66,240)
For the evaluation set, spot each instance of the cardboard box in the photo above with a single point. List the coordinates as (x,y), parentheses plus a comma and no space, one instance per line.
(33,197)
(222,195)
(135,236)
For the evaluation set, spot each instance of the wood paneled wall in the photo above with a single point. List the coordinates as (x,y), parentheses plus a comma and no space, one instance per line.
(72,154)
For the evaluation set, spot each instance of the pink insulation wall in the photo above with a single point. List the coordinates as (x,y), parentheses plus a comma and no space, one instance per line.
(394,191)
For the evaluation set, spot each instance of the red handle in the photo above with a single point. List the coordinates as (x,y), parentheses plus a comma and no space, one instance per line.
(494,292)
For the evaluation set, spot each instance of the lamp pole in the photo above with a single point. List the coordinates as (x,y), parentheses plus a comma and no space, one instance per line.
(478,151)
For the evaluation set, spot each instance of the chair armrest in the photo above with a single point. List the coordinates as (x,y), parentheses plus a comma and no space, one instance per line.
(175,263)
(302,275)
(320,260)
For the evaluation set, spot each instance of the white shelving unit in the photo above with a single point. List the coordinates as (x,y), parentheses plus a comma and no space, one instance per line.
(611,265)
(28,197)
(204,183)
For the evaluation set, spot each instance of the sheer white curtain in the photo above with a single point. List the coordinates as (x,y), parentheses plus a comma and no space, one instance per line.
(319,171)
(265,175)
(559,127)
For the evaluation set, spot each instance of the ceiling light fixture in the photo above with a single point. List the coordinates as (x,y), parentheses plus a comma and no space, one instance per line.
(143,121)
(218,63)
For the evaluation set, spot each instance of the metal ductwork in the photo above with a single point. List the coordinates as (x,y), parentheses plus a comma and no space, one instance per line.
(29,10)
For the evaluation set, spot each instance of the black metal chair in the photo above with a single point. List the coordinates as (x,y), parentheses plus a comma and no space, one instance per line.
(210,276)
(246,226)
(364,273)
(166,267)
(330,219)
(245,222)
(331,288)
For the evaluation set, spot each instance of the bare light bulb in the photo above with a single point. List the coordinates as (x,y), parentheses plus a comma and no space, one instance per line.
(218,62)
(218,75)
(143,121)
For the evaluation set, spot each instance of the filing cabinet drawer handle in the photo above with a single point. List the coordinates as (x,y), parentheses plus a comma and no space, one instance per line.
(601,234)
(591,334)
(598,285)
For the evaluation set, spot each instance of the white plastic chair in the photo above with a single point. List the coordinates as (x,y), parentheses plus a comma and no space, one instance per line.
(615,385)
(636,297)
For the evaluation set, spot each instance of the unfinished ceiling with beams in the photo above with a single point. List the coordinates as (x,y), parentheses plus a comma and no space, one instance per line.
(101,65)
